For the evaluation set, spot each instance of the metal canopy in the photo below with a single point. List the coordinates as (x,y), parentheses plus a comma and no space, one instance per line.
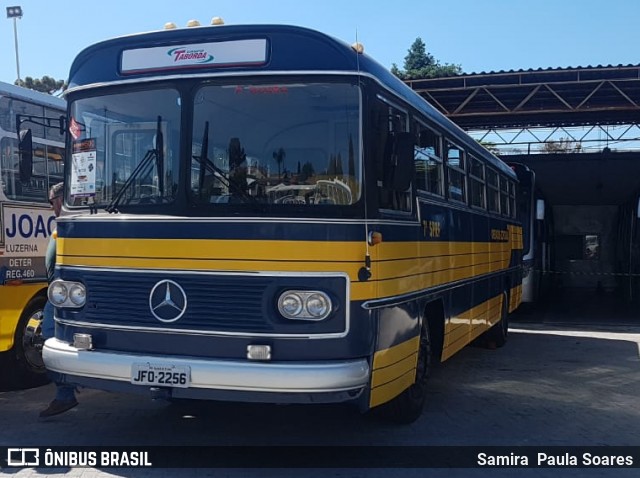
(597,109)
(603,95)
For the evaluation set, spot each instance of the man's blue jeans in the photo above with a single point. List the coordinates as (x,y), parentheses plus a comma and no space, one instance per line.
(64,392)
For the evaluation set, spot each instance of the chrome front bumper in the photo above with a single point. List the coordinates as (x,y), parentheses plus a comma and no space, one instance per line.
(237,375)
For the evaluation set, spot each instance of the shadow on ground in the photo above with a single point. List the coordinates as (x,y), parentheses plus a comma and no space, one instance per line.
(542,388)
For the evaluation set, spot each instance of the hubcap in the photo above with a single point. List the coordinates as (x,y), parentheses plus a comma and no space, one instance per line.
(31,337)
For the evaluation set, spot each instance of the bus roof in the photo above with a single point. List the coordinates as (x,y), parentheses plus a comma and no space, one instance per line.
(33,96)
(243,49)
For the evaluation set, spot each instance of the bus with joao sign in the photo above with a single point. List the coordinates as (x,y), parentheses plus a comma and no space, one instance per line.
(264,213)
(26,223)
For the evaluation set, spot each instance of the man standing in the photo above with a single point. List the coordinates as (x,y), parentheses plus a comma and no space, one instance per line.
(65,394)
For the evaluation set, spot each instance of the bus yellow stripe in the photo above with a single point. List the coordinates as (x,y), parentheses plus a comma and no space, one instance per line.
(251,250)
(400,267)
(392,355)
(515,297)
(390,277)
(211,264)
(392,372)
(463,328)
(273,250)
(390,390)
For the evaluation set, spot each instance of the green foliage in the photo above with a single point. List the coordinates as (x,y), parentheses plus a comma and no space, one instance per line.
(492,147)
(46,84)
(417,57)
(421,64)
(562,145)
(279,156)
(306,172)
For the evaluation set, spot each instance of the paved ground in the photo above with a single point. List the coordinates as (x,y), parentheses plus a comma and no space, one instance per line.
(575,384)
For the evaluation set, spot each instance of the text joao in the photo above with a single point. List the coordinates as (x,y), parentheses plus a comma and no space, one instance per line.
(27,226)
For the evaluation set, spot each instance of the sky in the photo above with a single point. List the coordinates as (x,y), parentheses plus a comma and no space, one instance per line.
(478,35)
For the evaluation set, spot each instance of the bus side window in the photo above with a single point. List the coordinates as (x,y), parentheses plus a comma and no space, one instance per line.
(476,183)
(512,199)
(493,193)
(428,160)
(35,189)
(388,121)
(456,173)
(504,197)
(55,164)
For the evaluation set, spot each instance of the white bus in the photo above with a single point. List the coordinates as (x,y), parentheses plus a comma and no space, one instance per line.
(26,222)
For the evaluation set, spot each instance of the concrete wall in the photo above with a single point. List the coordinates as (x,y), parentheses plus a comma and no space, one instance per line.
(583,220)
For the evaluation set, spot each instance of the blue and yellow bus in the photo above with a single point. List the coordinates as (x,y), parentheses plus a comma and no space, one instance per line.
(26,223)
(264,213)
(536,235)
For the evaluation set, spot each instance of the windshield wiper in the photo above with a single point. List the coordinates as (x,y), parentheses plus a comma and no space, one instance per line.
(112,207)
(204,159)
(207,165)
(160,156)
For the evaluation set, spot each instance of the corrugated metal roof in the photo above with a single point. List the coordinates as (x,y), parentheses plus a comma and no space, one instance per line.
(548,69)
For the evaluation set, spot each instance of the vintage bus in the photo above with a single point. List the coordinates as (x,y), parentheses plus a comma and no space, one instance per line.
(536,234)
(183,273)
(26,222)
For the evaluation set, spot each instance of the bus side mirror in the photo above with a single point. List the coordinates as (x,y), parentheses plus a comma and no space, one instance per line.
(25,155)
(400,162)
(638,209)
(540,209)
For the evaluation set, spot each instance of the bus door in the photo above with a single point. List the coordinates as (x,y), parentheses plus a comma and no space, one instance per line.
(395,265)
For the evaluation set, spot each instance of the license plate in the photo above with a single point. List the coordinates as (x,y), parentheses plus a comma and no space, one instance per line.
(160,375)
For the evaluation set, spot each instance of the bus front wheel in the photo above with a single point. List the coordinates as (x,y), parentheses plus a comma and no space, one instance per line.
(408,406)
(23,364)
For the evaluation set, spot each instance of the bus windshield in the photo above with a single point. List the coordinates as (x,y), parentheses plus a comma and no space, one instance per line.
(285,143)
(125,142)
(278,144)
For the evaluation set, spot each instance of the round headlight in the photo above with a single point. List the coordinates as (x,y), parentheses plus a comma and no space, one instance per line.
(57,293)
(290,305)
(318,306)
(77,294)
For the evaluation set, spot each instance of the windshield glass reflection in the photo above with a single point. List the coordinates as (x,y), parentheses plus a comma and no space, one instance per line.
(276,144)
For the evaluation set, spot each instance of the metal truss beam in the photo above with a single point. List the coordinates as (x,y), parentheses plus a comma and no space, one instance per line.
(537,98)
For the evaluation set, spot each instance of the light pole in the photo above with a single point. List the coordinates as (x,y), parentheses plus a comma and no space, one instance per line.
(15,13)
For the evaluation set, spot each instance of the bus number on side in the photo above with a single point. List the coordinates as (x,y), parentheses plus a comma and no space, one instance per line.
(431,228)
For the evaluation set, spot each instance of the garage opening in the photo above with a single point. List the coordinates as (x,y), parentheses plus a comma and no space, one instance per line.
(587,245)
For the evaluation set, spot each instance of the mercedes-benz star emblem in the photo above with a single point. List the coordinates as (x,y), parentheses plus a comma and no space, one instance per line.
(167,301)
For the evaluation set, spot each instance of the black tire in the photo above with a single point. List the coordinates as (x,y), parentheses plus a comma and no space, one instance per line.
(23,364)
(408,406)
(497,335)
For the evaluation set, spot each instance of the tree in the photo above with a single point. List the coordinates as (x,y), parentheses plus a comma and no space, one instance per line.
(421,64)
(279,156)
(339,170)
(331,167)
(307,171)
(492,147)
(44,85)
(562,145)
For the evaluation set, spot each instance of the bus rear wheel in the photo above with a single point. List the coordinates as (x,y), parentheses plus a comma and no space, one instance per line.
(23,364)
(408,406)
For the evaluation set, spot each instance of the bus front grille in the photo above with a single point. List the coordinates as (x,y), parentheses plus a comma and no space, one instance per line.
(239,303)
